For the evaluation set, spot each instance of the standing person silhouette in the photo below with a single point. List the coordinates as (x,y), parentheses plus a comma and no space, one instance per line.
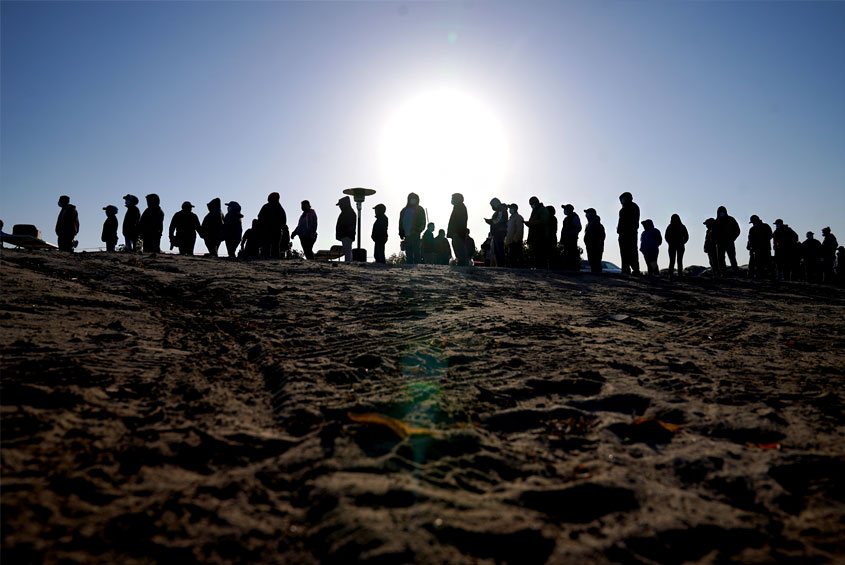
(427,245)
(379,234)
(786,246)
(273,221)
(184,227)
(232,228)
(594,236)
(627,229)
(109,235)
(650,242)
(513,240)
(676,236)
(570,228)
(411,225)
(456,230)
(306,229)
(538,233)
(151,225)
(759,248)
(726,231)
(130,223)
(67,224)
(498,230)
(345,228)
(829,246)
(212,227)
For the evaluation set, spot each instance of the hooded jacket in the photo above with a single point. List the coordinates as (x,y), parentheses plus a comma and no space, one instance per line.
(232,225)
(629,219)
(417,218)
(212,224)
(458,220)
(571,226)
(67,224)
(151,225)
(650,240)
(380,228)
(594,234)
(346,220)
(726,229)
(132,218)
(676,232)
(760,237)
(538,225)
(184,227)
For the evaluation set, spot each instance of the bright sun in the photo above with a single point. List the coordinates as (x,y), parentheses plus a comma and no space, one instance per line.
(441,142)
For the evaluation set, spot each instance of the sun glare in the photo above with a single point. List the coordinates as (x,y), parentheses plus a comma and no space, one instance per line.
(443,141)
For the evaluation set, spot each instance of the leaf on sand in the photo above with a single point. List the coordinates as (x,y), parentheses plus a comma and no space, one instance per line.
(773,445)
(401,429)
(662,424)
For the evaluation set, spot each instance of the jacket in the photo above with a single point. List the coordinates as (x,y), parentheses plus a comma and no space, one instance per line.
(232,225)
(594,234)
(538,225)
(516,226)
(212,224)
(307,226)
(346,220)
(457,221)
(67,224)
(629,219)
(380,229)
(184,227)
(650,240)
(130,222)
(726,229)
(570,227)
(416,214)
(109,230)
(676,234)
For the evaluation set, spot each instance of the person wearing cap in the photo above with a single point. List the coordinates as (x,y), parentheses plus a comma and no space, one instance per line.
(345,228)
(109,235)
(513,239)
(676,236)
(306,229)
(273,221)
(538,233)
(594,236)
(212,227)
(710,247)
(411,225)
(650,242)
(811,254)
(232,228)
(184,228)
(725,232)
(570,228)
(379,234)
(151,225)
(786,243)
(67,224)
(456,230)
(499,229)
(759,248)
(627,229)
(130,223)
(829,246)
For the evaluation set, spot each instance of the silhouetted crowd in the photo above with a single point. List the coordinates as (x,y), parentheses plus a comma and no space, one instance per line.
(507,245)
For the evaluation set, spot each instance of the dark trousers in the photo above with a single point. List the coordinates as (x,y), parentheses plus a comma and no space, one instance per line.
(187,247)
(499,248)
(66,243)
(759,263)
(272,245)
(232,247)
(412,248)
(726,247)
(676,253)
(514,254)
(152,244)
(131,244)
(212,245)
(628,251)
(110,246)
(308,246)
(541,254)
(570,253)
(594,258)
(378,252)
(459,246)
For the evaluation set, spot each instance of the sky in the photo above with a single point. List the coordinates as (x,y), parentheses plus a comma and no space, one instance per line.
(687,105)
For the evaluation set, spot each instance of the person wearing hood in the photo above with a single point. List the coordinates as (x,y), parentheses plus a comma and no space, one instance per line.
(456,230)
(650,242)
(67,224)
(513,240)
(786,243)
(726,230)
(252,241)
(232,228)
(811,252)
(184,227)
(627,229)
(345,228)
(538,233)
(829,246)
(759,248)
(594,236)
(273,222)
(470,247)
(442,250)
(212,227)
(427,245)
(306,229)
(151,225)
(109,235)
(498,229)
(710,247)
(677,236)
(570,228)
(379,234)
(411,225)
(130,223)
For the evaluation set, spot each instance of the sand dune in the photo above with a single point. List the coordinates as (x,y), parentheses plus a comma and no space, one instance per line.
(192,409)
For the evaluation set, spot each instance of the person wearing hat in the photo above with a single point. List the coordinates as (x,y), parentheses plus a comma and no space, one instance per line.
(710,247)
(379,234)
(650,242)
(829,246)
(151,225)
(594,236)
(109,235)
(130,223)
(513,239)
(273,221)
(456,230)
(345,228)
(570,228)
(67,224)
(232,228)
(811,253)
(411,225)
(759,248)
(785,242)
(306,229)
(725,232)
(627,228)
(184,228)
(676,236)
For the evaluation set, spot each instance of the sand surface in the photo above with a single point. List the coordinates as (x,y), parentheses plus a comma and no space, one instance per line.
(177,409)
